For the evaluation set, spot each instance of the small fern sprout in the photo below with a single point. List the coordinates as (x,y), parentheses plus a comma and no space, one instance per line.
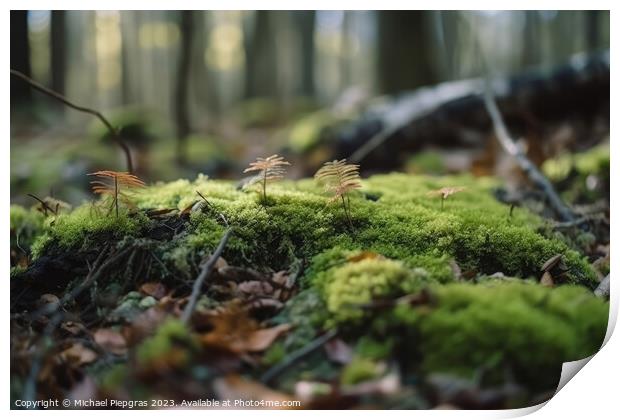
(340,178)
(445,192)
(269,169)
(115,184)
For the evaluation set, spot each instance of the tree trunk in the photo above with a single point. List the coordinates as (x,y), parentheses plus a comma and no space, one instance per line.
(58,45)
(261,57)
(405,51)
(306,21)
(20,56)
(182,86)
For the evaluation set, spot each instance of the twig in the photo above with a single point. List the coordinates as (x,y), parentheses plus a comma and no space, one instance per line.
(511,147)
(603,288)
(297,356)
(93,275)
(46,207)
(208,203)
(204,274)
(113,131)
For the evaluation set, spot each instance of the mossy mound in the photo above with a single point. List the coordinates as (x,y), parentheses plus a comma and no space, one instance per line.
(514,328)
(403,243)
(348,287)
(393,216)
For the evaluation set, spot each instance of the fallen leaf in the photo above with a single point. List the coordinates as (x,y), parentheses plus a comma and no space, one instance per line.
(546,279)
(235,331)
(111,341)
(281,278)
(259,340)
(551,263)
(235,388)
(79,354)
(157,290)
(255,288)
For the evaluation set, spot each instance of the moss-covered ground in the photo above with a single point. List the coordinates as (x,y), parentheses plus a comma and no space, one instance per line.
(429,288)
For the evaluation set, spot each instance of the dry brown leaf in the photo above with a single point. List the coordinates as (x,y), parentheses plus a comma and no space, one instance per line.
(255,288)
(235,331)
(233,387)
(546,279)
(111,341)
(157,290)
(79,354)
(551,263)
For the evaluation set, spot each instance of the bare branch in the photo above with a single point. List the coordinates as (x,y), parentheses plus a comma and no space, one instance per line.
(511,147)
(204,274)
(113,131)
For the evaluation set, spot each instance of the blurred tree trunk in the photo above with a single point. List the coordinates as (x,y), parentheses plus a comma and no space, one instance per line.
(20,56)
(58,46)
(532,38)
(260,62)
(306,20)
(592,29)
(182,85)
(405,53)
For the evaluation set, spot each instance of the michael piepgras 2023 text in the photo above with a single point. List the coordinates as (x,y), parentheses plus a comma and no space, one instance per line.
(164,403)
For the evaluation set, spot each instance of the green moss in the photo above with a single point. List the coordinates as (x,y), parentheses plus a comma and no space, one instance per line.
(525,328)
(373,348)
(346,288)
(85,225)
(428,162)
(172,342)
(404,224)
(274,354)
(581,177)
(26,225)
(360,369)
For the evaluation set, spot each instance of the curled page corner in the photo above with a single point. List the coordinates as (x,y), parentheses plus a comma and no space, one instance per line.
(569,370)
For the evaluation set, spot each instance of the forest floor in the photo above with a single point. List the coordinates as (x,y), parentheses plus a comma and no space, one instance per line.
(201,290)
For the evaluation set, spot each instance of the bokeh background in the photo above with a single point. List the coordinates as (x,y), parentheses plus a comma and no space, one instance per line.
(208,91)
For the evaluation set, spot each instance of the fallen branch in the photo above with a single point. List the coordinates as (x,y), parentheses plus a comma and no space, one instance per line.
(113,131)
(204,274)
(297,356)
(532,172)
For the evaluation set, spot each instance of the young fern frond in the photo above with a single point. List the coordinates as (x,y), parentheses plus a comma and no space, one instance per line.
(271,168)
(116,184)
(340,178)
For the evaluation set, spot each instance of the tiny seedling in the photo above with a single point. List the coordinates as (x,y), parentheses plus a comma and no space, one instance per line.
(269,169)
(115,185)
(340,178)
(445,192)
